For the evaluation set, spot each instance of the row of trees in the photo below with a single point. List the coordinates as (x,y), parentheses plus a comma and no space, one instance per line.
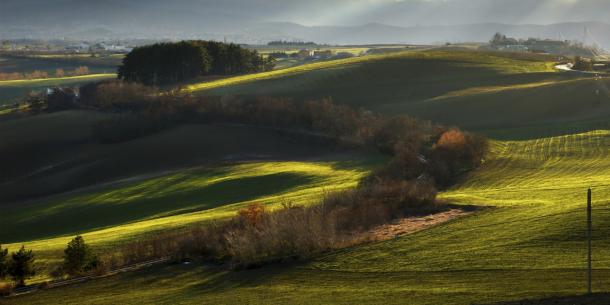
(419,147)
(168,63)
(83,70)
(424,157)
(20,265)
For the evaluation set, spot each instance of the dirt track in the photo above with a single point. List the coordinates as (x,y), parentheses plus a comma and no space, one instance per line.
(413,224)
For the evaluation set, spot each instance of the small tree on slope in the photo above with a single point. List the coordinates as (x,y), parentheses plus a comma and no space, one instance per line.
(22,266)
(3,262)
(78,257)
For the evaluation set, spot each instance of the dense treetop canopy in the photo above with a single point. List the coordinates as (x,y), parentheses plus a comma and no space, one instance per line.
(168,63)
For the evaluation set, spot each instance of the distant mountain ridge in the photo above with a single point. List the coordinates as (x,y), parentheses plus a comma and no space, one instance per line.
(158,19)
(376,33)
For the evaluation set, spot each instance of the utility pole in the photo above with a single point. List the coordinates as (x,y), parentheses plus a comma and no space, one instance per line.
(589,233)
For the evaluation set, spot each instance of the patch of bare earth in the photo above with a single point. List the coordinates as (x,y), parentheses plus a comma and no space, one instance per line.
(412,225)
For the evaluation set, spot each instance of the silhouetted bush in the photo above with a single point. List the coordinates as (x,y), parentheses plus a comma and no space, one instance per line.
(117,96)
(6,289)
(3,262)
(78,257)
(61,99)
(21,267)
(455,153)
(257,236)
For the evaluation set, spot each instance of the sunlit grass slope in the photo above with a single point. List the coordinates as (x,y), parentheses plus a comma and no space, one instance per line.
(53,153)
(529,242)
(285,284)
(551,104)
(337,78)
(538,191)
(118,213)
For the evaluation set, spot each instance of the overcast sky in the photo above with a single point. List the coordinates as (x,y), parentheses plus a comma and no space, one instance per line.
(336,12)
(164,18)
(433,12)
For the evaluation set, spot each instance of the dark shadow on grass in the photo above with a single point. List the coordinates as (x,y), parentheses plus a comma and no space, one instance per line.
(82,218)
(595,299)
(224,280)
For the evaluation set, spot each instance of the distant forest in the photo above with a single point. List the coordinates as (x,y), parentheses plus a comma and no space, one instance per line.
(170,63)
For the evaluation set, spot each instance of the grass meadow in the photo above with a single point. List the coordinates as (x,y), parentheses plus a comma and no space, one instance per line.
(110,215)
(550,142)
(528,243)
(462,88)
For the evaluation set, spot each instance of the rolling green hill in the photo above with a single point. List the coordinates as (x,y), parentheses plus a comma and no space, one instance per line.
(51,153)
(490,92)
(58,180)
(551,142)
(529,243)
(127,210)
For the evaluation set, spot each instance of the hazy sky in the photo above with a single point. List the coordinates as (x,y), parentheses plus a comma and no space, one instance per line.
(323,12)
(239,18)
(432,12)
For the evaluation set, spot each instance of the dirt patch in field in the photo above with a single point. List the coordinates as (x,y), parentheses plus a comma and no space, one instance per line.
(411,225)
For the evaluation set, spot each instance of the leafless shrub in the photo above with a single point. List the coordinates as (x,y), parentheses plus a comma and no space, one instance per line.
(6,289)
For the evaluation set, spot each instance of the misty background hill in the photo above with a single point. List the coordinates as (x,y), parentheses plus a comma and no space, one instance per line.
(352,22)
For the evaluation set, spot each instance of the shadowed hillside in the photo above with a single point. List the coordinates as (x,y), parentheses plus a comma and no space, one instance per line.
(481,91)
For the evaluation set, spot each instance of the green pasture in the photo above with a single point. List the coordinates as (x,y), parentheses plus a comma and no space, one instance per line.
(550,144)
(124,211)
(407,65)
(490,92)
(528,243)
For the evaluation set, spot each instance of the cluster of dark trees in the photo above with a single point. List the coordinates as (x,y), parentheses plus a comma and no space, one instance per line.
(169,63)
(20,265)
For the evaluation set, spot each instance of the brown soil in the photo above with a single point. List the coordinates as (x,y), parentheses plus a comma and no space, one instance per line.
(413,224)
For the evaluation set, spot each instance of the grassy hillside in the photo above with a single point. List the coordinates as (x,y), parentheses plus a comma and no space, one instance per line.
(58,180)
(538,191)
(123,211)
(528,244)
(52,153)
(490,92)
(551,144)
